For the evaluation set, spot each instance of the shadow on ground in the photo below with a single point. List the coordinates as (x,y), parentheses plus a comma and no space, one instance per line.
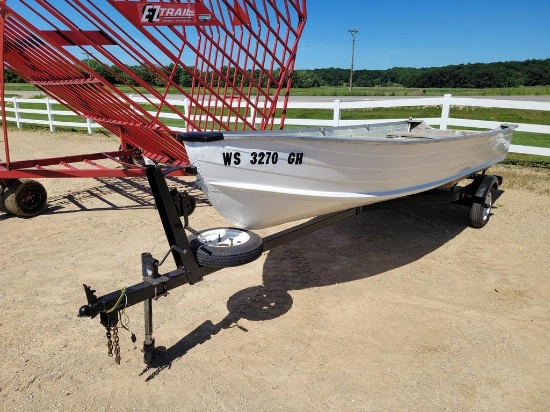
(360,247)
(115,194)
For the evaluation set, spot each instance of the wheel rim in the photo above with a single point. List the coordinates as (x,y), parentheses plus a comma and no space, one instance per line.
(30,198)
(224,237)
(487,205)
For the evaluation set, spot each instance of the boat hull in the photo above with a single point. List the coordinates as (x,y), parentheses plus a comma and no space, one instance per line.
(260,180)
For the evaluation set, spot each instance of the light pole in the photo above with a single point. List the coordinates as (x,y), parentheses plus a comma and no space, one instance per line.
(87,54)
(353,33)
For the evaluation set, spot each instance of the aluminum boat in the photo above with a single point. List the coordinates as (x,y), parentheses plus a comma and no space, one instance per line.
(260,179)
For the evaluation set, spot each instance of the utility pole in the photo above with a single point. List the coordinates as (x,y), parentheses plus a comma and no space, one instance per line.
(353,33)
(87,54)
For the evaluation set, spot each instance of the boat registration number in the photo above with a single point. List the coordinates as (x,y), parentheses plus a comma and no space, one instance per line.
(261,158)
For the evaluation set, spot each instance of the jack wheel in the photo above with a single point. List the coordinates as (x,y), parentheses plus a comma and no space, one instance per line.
(25,198)
(224,247)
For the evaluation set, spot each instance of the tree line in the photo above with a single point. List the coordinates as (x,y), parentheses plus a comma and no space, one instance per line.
(471,75)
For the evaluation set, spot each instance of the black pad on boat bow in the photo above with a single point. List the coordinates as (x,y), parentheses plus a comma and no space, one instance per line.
(199,137)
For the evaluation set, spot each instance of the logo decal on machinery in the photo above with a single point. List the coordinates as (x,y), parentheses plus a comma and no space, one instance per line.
(167,14)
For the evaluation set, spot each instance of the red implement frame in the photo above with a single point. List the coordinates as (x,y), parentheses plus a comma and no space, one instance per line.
(239,54)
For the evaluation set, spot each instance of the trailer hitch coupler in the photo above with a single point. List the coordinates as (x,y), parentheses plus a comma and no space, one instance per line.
(85,311)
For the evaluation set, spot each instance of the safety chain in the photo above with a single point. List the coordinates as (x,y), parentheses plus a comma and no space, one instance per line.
(112,342)
(110,319)
(116,345)
(109,342)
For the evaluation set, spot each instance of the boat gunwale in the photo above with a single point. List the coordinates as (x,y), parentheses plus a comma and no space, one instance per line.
(278,135)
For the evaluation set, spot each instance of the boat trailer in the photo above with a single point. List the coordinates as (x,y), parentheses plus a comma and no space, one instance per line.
(205,252)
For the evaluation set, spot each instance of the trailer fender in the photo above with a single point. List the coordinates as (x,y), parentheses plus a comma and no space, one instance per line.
(482,184)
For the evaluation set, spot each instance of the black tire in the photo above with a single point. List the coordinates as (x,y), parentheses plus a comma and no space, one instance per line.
(2,203)
(225,247)
(481,211)
(25,198)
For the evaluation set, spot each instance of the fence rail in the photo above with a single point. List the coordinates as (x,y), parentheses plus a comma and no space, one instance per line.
(51,116)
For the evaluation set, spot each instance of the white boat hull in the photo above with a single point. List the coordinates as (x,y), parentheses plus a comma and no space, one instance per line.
(258,180)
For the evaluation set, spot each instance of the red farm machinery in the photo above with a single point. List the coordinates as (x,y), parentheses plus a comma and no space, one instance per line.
(237,57)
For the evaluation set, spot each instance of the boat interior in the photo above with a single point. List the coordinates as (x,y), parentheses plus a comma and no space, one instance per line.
(396,130)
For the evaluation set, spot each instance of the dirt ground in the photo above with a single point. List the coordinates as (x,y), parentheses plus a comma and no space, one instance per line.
(390,310)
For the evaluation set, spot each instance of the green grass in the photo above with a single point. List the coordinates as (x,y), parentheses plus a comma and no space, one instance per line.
(502,115)
(364,114)
(403,91)
(38,116)
(473,113)
(364,91)
(531,139)
(20,86)
(519,159)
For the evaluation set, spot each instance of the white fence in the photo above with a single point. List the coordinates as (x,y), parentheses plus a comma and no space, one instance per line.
(337,106)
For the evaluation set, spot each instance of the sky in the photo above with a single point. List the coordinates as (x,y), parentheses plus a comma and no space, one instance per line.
(429,33)
(399,33)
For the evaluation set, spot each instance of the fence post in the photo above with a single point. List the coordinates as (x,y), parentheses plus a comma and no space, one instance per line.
(186,110)
(50,114)
(252,118)
(16,112)
(336,116)
(90,127)
(445,112)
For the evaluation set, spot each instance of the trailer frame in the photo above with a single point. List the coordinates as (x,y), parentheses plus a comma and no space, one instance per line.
(172,206)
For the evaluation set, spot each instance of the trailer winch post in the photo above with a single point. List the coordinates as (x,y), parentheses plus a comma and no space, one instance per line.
(173,227)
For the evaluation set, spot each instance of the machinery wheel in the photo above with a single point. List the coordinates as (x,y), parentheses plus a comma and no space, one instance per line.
(481,211)
(25,198)
(224,247)
(2,203)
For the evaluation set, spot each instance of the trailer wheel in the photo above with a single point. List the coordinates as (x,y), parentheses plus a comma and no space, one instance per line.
(481,211)
(224,247)
(25,198)
(2,202)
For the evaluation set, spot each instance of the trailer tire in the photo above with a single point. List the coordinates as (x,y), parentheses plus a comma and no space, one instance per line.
(480,212)
(226,247)
(25,198)
(2,202)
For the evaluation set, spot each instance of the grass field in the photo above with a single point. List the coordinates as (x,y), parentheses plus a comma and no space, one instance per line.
(403,91)
(373,91)
(478,113)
